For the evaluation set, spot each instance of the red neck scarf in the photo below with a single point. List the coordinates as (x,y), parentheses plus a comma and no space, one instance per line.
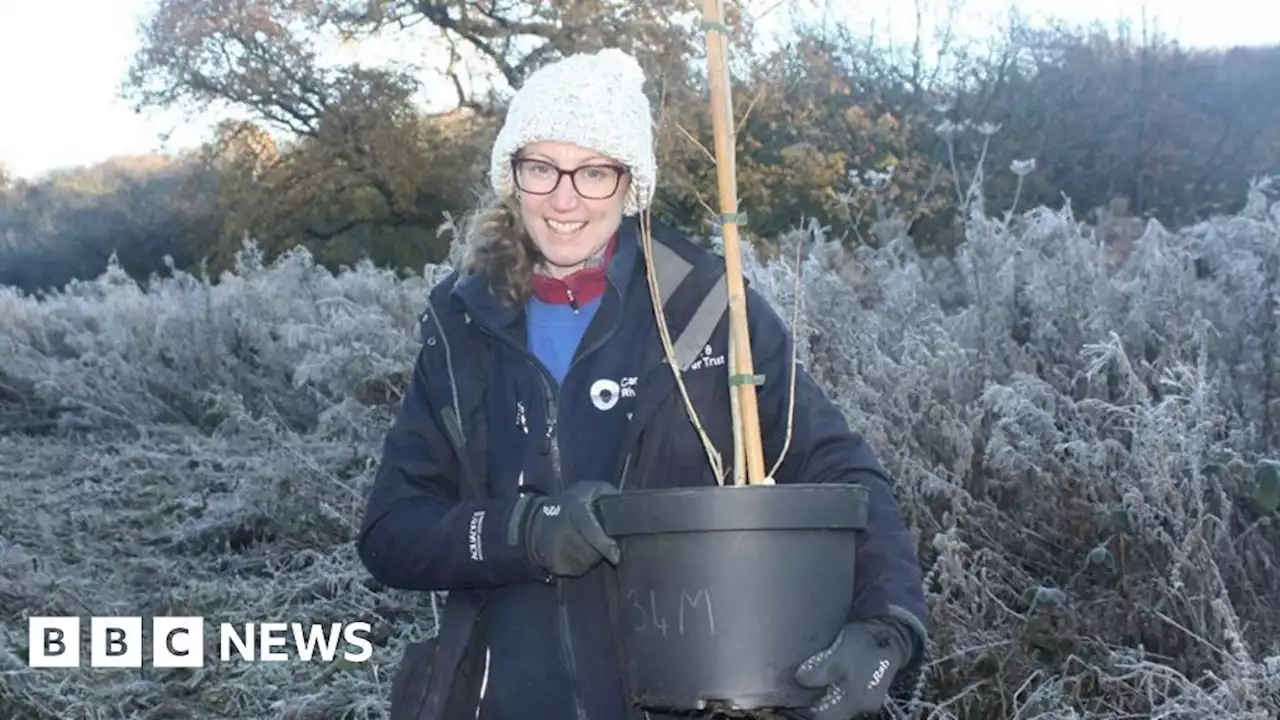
(579,287)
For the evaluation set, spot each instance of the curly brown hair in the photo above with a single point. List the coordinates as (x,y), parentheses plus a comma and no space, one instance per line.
(499,247)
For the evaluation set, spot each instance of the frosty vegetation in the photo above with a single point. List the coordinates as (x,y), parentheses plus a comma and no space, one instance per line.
(1082,433)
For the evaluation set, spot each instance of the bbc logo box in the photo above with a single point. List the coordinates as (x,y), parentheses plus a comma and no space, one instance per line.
(176,642)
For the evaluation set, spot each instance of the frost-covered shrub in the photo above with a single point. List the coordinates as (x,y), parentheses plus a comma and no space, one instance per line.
(287,341)
(1064,428)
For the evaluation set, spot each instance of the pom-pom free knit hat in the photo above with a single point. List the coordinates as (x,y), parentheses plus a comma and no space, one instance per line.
(593,100)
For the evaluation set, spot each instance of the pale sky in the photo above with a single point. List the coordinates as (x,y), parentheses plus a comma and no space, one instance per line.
(62,63)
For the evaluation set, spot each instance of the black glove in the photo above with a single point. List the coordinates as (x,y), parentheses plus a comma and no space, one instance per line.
(565,538)
(857,669)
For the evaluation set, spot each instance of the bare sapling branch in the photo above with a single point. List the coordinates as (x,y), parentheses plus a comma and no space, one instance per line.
(668,346)
(747,436)
(794,367)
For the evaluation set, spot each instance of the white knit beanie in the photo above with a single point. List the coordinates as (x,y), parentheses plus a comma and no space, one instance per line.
(593,100)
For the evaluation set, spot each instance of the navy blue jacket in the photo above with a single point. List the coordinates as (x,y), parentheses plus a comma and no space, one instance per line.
(483,425)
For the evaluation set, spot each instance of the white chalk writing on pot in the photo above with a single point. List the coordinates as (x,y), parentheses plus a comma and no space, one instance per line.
(694,612)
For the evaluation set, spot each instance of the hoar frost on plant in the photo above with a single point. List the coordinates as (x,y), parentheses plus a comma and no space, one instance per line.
(1056,416)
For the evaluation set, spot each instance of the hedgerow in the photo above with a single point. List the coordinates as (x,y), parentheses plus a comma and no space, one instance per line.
(1083,440)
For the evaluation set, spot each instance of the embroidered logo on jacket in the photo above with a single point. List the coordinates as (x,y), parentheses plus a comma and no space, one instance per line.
(707,360)
(473,536)
(606,393)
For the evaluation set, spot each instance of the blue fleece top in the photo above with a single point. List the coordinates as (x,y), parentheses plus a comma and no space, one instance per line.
(555,331)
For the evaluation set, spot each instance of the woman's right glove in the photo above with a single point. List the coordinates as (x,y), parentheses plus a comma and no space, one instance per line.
(565,537)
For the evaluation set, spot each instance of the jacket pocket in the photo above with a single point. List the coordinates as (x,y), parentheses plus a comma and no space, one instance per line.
(412,682)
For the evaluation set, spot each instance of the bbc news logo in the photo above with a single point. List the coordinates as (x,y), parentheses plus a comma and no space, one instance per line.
(179,642)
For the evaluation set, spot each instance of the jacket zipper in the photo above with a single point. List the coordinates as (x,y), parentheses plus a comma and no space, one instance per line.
(552,444)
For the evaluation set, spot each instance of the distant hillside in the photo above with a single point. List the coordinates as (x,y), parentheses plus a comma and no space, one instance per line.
(68,225)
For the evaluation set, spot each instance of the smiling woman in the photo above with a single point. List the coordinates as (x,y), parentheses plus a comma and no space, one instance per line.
(569,222)
(542,385)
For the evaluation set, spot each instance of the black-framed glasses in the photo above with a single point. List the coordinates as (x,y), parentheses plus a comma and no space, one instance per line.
(596,181)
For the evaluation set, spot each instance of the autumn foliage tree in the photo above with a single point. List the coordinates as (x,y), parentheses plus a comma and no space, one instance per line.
(365,173)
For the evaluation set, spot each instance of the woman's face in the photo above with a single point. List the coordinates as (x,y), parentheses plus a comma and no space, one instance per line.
(569,224)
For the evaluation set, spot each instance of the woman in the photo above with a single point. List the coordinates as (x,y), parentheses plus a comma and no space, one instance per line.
(541,385)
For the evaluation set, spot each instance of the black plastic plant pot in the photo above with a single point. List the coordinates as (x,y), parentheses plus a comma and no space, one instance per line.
(724,591)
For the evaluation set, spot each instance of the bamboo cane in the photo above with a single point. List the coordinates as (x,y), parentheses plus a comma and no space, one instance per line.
(742,373)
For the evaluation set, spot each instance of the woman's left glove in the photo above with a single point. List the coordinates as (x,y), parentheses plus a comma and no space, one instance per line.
(565,536)
(857,669)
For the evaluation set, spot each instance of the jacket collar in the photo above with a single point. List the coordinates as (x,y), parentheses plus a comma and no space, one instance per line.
(472,295)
